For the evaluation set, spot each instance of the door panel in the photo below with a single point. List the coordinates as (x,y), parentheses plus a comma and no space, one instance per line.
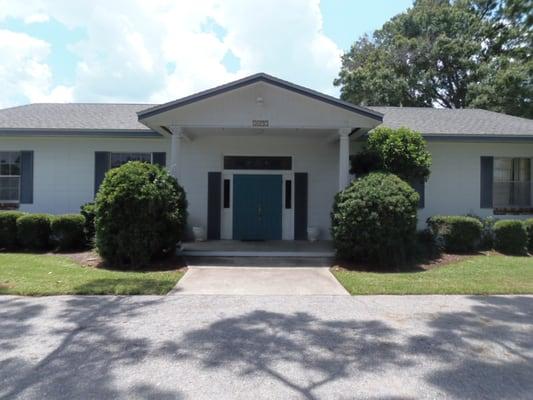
(257,207)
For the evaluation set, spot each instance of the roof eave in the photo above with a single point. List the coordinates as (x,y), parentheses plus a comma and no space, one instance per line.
(77,132)
(471,137)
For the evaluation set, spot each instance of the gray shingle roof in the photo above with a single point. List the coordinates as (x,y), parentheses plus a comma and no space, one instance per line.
(438,121)
(73,116)
(94,116)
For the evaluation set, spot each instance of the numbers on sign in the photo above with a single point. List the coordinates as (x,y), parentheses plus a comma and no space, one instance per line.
(260,123)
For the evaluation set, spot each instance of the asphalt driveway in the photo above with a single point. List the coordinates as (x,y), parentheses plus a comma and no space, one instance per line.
(266,347)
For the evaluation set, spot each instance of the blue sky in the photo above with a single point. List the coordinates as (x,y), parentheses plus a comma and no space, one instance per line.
(157,50)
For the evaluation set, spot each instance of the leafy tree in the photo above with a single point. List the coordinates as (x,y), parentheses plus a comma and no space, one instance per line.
(450,53)
(398,151)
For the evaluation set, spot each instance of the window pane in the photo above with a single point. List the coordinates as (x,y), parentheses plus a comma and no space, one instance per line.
(15,163)
(227,186)
(9,188)
(512,182)
(288,194)
(522,169)
(9,163)
(503,169)
(117,159)
(4,163)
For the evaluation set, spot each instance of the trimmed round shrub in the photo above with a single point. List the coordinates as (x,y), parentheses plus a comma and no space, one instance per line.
(33,231)
(374,220)
(67,231)
(459,234)
(510,237)
(8,228)
(88,210)
(141,213)
(528,224)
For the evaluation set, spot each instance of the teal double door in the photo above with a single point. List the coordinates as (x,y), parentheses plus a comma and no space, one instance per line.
(257,207)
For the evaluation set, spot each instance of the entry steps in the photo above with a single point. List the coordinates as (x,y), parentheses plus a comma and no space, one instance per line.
(264,262)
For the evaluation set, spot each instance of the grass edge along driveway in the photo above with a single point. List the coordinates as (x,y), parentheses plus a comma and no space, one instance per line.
(44,274)
(484,274)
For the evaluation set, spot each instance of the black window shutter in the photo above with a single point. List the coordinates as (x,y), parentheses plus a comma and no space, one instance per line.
(419,185)
(159,159)
(486,182)
(26,177)
(300,205)
(101,166)
(214,198)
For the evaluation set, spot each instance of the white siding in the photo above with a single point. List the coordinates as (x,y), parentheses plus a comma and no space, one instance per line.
(454,185)
(64,167)
(64,170)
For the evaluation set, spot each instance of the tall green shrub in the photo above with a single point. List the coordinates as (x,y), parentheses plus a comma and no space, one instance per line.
(141,213)
(510,237)
(8,228)
(67,231)
(33,231)
(374,219)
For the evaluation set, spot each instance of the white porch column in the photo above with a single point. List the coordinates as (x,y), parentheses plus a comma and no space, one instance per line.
(175,151)
(344,158)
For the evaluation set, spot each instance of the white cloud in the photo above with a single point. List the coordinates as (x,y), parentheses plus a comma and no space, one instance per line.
(24,74)
(129,46)
(36,18)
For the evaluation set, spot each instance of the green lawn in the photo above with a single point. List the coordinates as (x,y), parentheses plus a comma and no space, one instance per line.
(40,275)
(485,274)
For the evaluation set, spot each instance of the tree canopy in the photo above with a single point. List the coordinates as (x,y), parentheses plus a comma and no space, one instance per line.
(447,53)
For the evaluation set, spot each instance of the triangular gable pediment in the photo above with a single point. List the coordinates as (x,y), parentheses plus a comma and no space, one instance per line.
(260,99)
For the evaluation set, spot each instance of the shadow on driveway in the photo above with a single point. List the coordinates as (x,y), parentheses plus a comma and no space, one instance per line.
(482,353)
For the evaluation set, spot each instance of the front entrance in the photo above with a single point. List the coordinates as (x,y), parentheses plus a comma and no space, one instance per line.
(257,207)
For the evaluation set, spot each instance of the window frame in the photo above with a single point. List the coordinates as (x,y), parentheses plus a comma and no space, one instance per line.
(126,153)
(18,176)
(514,163)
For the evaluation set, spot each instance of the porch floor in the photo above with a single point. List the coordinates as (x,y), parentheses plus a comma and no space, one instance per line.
(269,248)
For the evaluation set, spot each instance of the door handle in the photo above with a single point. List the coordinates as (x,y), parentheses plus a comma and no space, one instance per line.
(259,212)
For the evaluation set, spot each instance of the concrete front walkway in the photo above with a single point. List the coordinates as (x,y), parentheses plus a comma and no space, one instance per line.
(266,347)
(259,281)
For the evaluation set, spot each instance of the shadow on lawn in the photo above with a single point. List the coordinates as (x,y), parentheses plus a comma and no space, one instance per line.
(126,286)
(485,353)
(419,264)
